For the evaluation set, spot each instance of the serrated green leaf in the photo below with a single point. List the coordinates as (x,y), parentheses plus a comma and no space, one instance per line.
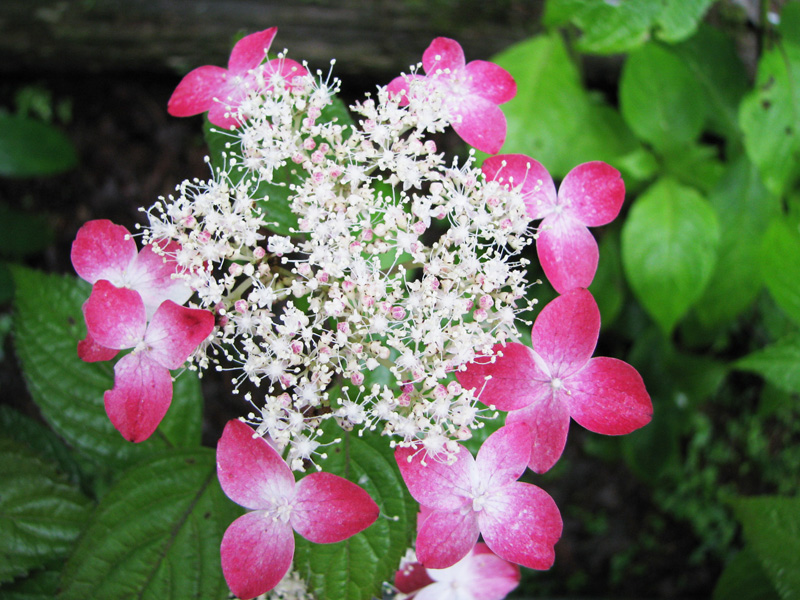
(669,246)
(679,19)
(744,207)
(780,265)
(771,527)
(156,534)
(48,324)
(41,514)
(662,110)
(778,363)
(31,148)
(770,115)
(744,579)
(39,585)
(553,118)
(355,568)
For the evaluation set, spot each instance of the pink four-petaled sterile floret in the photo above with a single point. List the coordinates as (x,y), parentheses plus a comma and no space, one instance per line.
(557,378)
(472,92)
(469,497)
(258,547)
(590,195)
(142,392)
(480,575)
(220,91)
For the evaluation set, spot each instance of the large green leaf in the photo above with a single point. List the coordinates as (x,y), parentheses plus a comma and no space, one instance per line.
(744,208)
(780,265)
(770,115)
(48,325)
(41,514)
(22,233)
(772,531)
(31,148)
(39,585)
(355,568)
(744,579)
(669,245)
(661,109)
(156,534)
(778,363)
(553,118)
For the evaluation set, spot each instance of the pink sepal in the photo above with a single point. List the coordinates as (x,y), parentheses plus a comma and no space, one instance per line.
(504,455)
(175,331)
(446,537)
(568,253)
(538,190)
(102,250)
(505,383)
(480,123)
(91,351)
(256,553)
(411,577)
(548,419)
(592,193)
(496,84)
(286,68)
(115,317)
(524,526)
(251,50)
(140,397)
(329,508)
(250,471)
(196,91)
(484,574)
(436,484)
(151,275)
(608,396)
(443,54)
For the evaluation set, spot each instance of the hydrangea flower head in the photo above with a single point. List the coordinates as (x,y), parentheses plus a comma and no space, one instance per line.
(590,195)
(220,91)
(469,497)
(258,547)
(557,378)
(471,92)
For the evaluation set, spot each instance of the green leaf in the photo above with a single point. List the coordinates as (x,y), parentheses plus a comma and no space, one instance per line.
(744,579)
(778,363)
(48,325)
(40,585)
(355,568)
(31,148)
(553,118)
(22,233)
(662,110)
(156,534)
(41,514)
(770,115)
(608,286)
(743,207)
(669,245)
(780,265)
(772,530)
(679,19)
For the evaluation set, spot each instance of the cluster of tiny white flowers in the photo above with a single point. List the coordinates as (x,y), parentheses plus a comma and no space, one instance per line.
(396,269)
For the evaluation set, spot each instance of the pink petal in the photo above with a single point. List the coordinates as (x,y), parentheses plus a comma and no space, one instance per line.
(511,377)
(175,331)
(565,332)
(251,50)
(538,189)
(504,455)
(521,524)
(548,419)
(151,275)
(567,252)
(399,87)
(411,577)
(608,396)
(593,193)
(480,123)
(285,68)
(256,553)
(250,471)
(491,81)
(115,317)
(492,578)
(446,537)
(222,113)
(195,92)
(102,250)
(91,351)
(443,53)
(140,397)
(436,484)
(328,508)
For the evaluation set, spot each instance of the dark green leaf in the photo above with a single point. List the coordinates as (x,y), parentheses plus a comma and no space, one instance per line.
(41,514)
(608,286)
(744,579)
(780,265)
(69,392)
(29,148)
(156,534)
(355,568)
(779,363)
(22,233)
(39,585)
